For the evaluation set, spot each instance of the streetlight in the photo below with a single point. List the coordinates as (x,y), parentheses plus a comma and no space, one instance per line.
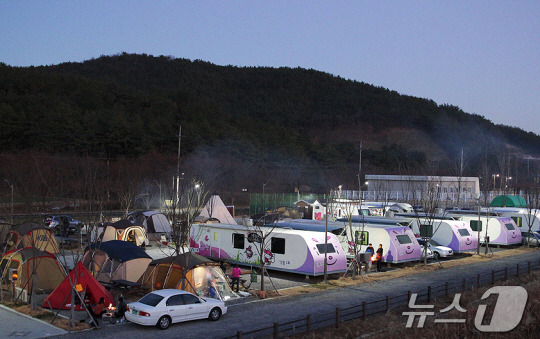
(494,184)
(11,186)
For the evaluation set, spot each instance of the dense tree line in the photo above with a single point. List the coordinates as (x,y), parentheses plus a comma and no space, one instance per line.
(300,123)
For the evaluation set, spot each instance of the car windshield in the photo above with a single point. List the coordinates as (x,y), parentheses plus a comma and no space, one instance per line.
(434,243)
(151,299)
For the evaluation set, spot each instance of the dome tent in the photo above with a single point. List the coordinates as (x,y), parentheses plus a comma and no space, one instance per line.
(190,272)
(126,231)
(152,221)
(30,234)
(116,260)
(37,271)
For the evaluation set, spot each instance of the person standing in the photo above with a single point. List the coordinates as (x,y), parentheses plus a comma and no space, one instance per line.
(379,258)
(120,309)
(371,252)
(236,277)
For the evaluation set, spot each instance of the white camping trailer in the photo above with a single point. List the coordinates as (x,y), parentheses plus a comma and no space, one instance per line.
(521,216)
(287,250)
(456,234)
(399,243)
(498,230)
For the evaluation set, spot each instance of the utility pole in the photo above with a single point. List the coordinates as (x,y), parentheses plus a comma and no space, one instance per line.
(177,181)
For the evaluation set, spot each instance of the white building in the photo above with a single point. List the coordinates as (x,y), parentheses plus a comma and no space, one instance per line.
(409,187)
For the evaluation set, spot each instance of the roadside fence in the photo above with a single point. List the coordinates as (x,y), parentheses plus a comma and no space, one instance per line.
(367,308)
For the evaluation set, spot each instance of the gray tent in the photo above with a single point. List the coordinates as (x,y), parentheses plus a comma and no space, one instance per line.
(152,221)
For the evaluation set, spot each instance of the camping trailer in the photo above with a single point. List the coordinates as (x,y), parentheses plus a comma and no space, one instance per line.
(521,216)
(499,230)
(456,234)
(286,250)
(399,243)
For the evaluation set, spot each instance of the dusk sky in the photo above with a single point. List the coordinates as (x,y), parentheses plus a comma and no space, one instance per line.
(483,56)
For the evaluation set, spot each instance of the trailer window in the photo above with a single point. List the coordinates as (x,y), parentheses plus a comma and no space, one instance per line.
(518,221)
(476,225)
(509,227)
(463,232)
(238,240)
(362,237)
(329,248)
(403,239)
(277,245)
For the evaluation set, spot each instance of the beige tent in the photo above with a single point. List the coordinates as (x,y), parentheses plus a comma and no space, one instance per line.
(35,269)
(116,260)
(124,230)
(190,272)
(31,234)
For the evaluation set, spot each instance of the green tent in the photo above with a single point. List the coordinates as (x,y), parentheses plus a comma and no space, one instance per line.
(508,201)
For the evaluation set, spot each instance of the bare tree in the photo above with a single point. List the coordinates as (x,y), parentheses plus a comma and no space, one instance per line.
(533,209)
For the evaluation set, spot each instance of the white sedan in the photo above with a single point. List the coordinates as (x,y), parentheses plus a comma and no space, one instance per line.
(164,307)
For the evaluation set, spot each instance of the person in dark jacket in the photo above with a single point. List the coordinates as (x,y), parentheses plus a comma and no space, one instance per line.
(121,308)
(379,258)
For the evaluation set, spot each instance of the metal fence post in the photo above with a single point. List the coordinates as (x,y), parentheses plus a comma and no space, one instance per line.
(408,296)
(463,285)
(364,310)
(429,293)
(478,280)
(238,335)
(337,317)
(506,273)
(446,289)
(387,303)
(528,267)
(308,323)
(276,331)
(492,277)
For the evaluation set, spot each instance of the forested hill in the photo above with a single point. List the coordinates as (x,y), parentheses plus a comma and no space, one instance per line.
(128,105)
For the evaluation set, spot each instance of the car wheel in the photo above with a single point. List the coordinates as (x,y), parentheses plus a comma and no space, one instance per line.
(436,255)
(164,322)
(215,313)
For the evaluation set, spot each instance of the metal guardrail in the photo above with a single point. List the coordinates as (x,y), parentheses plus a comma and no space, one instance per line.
(361,311)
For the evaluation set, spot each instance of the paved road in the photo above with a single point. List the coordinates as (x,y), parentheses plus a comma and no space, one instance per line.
(256,314)
(16,325)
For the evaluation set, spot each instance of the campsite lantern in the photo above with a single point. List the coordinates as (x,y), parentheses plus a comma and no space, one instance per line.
(13,276)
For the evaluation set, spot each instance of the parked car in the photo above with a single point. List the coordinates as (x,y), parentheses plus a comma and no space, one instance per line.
(56,222)
(439,251)
(532,239)
(164,307)
(429,252)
